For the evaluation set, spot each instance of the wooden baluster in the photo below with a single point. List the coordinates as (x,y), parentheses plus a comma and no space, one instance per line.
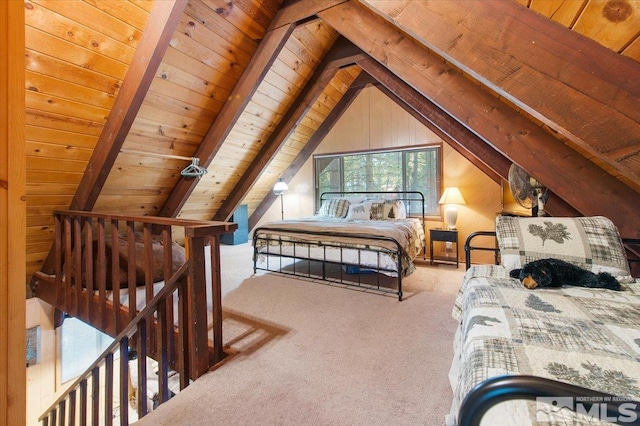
(72,408)
(62,411)
(197,305)
(102,273)
(67,254)
(183,334)
(57,242)
(131,272)
(108,390)
(115,273)
(71,304)
(124,381)
(216,298)
(148,276)
(142,369)
(95,396)
(84,403)
(167,244)
(161,351)
(89,267)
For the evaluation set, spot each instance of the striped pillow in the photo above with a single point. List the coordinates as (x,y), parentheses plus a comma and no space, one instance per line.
(334,207)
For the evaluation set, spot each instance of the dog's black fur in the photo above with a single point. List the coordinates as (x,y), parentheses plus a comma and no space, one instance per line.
(556,273)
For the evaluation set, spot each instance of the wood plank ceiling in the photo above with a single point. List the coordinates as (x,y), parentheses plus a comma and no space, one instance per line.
(120,95)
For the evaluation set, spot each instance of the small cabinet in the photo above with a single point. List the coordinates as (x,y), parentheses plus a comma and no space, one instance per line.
(241,235)
(446,236)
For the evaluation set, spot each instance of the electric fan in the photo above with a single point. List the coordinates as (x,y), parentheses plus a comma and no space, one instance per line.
(527,191)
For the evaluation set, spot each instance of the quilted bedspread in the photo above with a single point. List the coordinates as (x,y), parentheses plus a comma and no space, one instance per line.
(587,337)
(409,234)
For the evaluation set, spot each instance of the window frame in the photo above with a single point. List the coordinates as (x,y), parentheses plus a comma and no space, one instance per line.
(413,148)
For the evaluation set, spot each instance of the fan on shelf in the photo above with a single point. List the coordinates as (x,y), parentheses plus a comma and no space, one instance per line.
(527,191)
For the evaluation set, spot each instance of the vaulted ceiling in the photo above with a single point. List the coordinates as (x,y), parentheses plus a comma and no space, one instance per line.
(121,95)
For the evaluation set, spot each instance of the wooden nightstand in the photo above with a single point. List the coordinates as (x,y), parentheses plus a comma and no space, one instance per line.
(443,235)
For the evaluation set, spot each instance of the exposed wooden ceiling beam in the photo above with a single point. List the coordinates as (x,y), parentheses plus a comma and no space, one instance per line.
(260,63)
(486,158)
(162,23)
(541,66)
(563,170)
(292,11)
(343,104)
(474,149)
(342,52)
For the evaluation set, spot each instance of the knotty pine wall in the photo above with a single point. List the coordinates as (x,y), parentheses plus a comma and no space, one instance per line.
(374,121)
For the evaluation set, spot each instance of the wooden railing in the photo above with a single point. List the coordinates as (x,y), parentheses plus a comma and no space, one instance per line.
(172,327)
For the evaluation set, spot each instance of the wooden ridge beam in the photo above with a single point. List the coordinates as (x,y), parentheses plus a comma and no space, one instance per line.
(560,168)
(542,67)
(260,63)
(340,53)
(343,104)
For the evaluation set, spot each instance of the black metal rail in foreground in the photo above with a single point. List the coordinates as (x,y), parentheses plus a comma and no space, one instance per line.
(271,239)
(499,389)
(468,248)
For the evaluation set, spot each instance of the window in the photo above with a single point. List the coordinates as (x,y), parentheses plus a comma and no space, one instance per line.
(80,346)
(403,170)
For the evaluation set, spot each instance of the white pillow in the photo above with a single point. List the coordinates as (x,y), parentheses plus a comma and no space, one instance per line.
(361,211)
(394,210)
(402,210)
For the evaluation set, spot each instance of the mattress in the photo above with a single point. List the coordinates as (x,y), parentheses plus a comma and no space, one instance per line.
(586,337)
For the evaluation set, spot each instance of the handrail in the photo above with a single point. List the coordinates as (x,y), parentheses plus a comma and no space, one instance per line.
(517,387)
(79,287)
(121,343)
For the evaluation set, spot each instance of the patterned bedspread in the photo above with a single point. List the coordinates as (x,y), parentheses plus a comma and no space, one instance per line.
(409,233)
(587,337)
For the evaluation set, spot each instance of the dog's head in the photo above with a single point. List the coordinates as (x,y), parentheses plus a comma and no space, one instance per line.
(533,274)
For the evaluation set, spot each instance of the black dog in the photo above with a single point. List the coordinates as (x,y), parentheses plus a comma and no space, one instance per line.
(556,273)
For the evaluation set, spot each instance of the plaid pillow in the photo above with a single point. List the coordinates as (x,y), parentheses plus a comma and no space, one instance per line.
(334,207)
(377,211)
(592,243)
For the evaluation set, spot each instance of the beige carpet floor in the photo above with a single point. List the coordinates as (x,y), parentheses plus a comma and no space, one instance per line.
(308,353)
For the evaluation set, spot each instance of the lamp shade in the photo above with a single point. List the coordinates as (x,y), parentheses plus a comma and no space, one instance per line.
(451,195)
(280,187)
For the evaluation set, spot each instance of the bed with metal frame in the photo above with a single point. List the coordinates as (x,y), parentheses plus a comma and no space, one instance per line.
(559,356)
(346,251)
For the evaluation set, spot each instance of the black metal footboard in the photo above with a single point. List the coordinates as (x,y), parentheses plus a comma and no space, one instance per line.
(322,249)
(498,389)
